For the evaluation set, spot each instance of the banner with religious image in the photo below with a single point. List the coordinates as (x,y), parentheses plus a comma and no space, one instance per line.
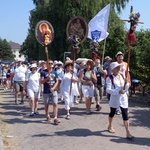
(44,32)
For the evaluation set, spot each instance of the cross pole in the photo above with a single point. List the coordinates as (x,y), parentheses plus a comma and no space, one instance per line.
(131,38)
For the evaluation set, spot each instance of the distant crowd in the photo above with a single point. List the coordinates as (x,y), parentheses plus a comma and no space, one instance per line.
(74,81)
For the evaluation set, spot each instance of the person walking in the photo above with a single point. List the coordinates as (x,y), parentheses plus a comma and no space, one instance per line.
(50,81)
(32,87)
(69,77)
(18,76)
(118,97)
(99,85)
(88,78)
(123,70)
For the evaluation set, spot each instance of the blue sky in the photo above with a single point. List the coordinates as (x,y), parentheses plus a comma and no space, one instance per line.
(14,15)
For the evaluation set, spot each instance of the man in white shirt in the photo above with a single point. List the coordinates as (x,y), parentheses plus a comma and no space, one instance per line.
(18,75)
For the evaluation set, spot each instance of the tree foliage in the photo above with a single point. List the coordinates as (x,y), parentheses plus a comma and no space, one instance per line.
(140,56)
(58,13)
(5,50)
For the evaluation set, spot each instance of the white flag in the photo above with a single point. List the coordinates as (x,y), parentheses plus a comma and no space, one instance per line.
(98,25)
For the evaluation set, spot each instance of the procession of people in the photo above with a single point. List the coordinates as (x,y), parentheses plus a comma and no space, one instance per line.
(81,80)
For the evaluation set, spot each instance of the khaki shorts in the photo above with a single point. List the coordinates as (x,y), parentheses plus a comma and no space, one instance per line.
(50,97)
(19,86)
(98,92)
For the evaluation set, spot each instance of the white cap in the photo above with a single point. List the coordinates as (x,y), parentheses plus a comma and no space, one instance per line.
(59,62)
(55,62)
(19,59)
(119,53)
(113,65)
(33,66)
(107,57)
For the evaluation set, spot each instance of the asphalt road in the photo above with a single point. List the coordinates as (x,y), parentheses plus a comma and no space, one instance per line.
(81,132)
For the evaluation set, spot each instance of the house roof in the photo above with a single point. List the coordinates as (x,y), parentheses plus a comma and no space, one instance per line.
(14,45)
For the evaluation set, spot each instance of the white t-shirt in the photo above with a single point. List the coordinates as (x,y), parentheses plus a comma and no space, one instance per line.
(33,81)
(65,84)
(117,99)
(19,73)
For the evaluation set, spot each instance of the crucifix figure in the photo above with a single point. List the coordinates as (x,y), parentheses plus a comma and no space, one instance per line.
(133,20)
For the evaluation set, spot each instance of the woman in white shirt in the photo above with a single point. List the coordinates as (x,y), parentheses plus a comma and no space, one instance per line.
(88,78)
(118,97)
(33,88)
(66,80)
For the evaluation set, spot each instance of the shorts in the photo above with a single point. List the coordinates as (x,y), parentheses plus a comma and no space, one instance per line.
(19,86)
(50,97)
(98,92)
(33,94)
(88,91)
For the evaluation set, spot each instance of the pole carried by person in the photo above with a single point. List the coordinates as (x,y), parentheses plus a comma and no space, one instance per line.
(98,30)
(44,33)
(76,30)
(131,37)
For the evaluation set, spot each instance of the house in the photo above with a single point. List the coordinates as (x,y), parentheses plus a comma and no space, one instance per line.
(15,47)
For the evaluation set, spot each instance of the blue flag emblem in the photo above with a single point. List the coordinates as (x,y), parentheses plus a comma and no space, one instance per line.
(95,35)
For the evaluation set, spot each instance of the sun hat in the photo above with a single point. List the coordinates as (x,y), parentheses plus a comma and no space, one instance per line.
(59,63)
(33,66)
(113,65)
(119,53)
(107,57)
(68,62)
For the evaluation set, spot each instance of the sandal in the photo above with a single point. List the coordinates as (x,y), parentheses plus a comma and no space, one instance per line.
(129,136)
(111,129)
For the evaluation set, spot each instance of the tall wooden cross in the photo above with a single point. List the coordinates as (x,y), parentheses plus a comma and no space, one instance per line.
(130,37)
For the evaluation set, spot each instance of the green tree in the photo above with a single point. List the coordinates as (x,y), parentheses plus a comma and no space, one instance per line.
(140,58)
(5,50)
(59,12)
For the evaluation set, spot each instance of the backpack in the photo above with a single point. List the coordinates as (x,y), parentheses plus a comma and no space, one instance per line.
(112,81)
(99,75)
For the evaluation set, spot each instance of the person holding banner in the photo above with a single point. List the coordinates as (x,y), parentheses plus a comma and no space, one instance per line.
(65,84)
(50,82)
(115,87)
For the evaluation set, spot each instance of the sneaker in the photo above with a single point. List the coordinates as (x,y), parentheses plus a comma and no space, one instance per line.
(76,102)
(88,112)
(111,129)
(48,119)
(56,121)
(68,117)
(117,112)
(81,101)
(62,100)
(31,114)
(92,102)
(98,107)
(129,136)
(36,113)
(22,102)
(16,102)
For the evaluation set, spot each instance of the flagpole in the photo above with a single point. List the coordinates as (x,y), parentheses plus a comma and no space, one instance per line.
(103,52)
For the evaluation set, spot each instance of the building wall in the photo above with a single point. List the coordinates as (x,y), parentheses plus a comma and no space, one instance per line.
(17,54)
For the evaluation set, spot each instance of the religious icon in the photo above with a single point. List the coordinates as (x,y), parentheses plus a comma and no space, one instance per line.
(44,32)
(77,26)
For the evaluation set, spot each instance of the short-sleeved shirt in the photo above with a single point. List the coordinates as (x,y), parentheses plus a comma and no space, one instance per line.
(53,75)
(33,81)
(19,73)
